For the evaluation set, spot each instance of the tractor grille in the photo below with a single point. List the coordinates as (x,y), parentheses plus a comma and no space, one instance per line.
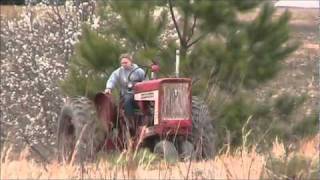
(175,104)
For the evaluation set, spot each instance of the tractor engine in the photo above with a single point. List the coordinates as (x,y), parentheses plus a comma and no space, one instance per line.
(171,101)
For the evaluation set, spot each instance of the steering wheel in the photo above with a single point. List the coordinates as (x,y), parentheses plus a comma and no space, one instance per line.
(132,82)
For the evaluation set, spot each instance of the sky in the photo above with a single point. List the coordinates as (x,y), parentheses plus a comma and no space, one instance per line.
(298,3)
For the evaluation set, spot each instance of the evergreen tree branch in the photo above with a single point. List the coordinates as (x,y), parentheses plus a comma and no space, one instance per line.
(174,21)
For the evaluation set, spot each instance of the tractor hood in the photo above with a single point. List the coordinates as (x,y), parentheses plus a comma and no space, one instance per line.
(155,84)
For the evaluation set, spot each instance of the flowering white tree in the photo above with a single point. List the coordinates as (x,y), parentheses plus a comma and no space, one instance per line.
(35,49)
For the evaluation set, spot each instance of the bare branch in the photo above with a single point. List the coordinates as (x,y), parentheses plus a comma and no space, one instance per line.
(51,16)
(56,11)
(192,28)
(196,40)
(174,21)
(185,32)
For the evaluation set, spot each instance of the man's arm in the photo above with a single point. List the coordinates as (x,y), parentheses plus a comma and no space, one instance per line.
(112,81)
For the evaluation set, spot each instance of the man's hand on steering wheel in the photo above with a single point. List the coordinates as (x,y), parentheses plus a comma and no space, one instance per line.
(107,91)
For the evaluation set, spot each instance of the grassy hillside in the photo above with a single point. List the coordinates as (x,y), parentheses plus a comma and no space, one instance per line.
(300,74)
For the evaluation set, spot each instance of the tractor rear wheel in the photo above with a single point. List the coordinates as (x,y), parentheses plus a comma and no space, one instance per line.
(203,134)
(65,133)
(79,134)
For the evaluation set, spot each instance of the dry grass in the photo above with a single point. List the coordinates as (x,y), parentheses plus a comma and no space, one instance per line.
(9,11)
(310,147)
(243,164)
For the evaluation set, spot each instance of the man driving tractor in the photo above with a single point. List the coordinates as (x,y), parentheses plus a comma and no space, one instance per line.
(121,77)
(160,114)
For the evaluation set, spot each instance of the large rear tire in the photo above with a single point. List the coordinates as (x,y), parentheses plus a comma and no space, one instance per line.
(79,134)
(203,133)
(65,135)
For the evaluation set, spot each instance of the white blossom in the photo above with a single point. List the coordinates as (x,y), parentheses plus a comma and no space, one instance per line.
(32,61)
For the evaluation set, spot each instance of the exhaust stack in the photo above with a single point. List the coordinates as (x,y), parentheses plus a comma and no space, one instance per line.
(177,62)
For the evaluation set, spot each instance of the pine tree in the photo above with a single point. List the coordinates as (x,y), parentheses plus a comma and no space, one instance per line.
(94,60)
(233,52)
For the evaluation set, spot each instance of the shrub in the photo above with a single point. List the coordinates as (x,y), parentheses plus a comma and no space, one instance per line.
(293,167)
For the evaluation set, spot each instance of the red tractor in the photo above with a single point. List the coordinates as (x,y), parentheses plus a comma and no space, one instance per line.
(168,121)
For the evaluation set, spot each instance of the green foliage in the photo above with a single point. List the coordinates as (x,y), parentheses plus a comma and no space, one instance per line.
(251,53)
(292,167)
(94,59)
(270,119)
(232,118)
(232,53)
(307,127)
(95,53)
(214,14)
(139,30)
(269,44)
(286,104)
(137,25)
(78,84)
(274,119)
(145,158)
(277,120)
(245,5)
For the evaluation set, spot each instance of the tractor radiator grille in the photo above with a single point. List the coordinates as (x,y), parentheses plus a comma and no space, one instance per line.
(175,104)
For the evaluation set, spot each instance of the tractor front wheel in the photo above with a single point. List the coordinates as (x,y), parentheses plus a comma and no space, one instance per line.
(166,150)
(187,150)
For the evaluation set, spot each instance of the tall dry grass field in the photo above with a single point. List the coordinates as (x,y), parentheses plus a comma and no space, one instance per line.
(9,11)
(243,164)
